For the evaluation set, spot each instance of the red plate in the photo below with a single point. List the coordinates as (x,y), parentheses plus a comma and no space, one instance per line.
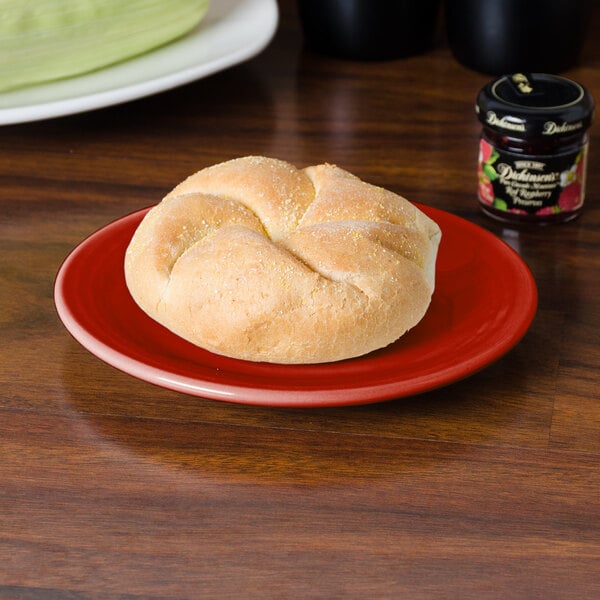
(484,302)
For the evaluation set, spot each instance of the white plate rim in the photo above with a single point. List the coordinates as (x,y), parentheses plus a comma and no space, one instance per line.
(246,25)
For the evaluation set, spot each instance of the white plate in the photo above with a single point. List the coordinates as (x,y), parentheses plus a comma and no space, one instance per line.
(232,31)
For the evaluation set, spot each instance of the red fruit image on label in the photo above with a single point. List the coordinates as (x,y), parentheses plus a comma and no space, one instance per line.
(571,197)
(485,151)
(486,192)
(486,172)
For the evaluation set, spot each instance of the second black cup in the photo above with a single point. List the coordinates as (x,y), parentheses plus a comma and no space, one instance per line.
(508,36)
(369,29)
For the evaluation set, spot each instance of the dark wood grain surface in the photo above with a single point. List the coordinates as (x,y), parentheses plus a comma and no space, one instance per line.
(112,488)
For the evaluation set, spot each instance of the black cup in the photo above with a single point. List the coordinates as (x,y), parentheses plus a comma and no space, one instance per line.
(369,29)
(509,36)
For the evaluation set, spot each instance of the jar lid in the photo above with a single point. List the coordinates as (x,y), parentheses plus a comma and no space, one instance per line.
(535,104)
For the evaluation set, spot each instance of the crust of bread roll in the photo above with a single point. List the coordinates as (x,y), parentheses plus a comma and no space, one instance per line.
(258,260)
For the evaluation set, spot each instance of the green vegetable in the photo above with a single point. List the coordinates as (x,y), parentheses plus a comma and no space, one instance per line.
(490,172)
(44,40)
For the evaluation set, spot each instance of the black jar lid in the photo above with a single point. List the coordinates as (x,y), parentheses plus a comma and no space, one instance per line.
(535,104)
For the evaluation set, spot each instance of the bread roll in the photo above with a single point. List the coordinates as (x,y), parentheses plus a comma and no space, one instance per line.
(257,260)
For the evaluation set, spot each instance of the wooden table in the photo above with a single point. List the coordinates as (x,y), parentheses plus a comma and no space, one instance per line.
(111,487)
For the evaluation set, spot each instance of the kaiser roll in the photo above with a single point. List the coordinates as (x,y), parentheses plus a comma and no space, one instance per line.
(257,260)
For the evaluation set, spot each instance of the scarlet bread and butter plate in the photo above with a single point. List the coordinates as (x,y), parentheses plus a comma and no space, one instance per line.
(484,302)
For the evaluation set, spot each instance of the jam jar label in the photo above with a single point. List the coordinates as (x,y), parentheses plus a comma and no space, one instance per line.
(531,185)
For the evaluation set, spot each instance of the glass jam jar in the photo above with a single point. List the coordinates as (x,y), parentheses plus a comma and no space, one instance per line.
(533,148)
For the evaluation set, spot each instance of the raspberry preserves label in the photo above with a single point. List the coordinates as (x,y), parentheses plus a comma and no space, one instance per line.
(531,185)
